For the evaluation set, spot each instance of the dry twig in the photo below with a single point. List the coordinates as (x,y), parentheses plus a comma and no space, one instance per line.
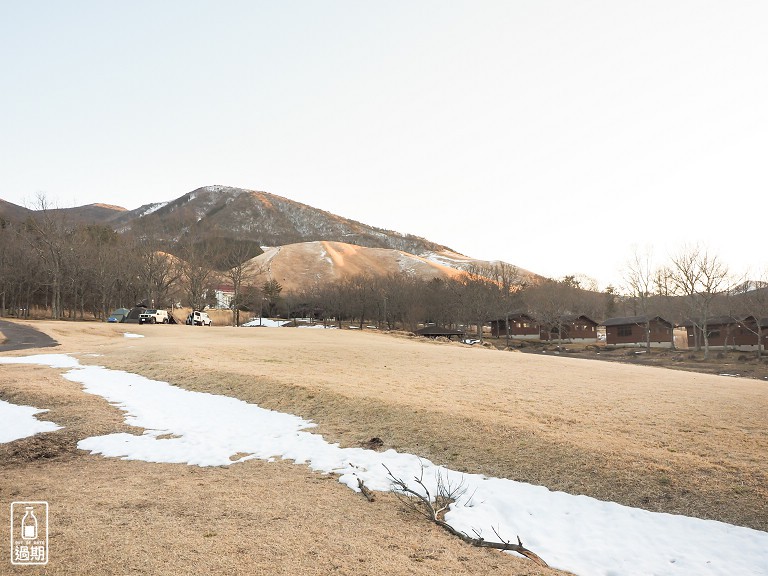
(434,509)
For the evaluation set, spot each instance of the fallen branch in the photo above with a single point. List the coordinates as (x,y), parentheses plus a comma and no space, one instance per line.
(434,509)
(366,492)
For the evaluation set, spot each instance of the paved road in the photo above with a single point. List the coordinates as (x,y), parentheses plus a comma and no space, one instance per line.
(20,337)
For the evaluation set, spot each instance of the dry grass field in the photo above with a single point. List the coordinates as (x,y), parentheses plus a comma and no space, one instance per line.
(659,439)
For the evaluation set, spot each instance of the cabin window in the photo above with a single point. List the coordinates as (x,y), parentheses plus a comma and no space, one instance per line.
(625,330)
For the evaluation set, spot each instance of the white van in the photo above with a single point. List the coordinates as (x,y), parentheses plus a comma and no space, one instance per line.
(197,318)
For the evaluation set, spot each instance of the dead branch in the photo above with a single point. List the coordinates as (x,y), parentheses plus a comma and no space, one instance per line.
(365,490)
(434,509)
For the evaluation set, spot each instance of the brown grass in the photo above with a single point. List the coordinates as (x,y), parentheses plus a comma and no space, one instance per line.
(110,516)
(649,437)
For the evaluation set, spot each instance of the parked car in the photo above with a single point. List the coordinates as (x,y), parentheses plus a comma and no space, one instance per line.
(197,318)
(152,316)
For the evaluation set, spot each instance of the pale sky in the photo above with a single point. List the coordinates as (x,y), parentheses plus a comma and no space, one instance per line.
(555,135)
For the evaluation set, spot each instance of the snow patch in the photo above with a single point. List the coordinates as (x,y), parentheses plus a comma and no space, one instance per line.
(19,422)
(445,260)
(575,533)
(153,208)
(266,322)
(216,188)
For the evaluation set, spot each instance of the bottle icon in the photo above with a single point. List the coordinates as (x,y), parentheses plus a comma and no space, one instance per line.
(29,524)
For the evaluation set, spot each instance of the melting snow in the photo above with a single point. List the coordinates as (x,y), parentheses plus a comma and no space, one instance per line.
(575,533)
(266,322)
(19,422)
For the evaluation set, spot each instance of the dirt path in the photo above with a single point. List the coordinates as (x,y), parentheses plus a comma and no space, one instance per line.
(18,336)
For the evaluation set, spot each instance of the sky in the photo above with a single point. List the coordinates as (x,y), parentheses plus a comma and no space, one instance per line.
(561,136)
(576,533)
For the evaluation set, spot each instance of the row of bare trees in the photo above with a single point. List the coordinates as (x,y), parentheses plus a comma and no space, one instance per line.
(695,286)
(78,270)
(484,293)
(69,270)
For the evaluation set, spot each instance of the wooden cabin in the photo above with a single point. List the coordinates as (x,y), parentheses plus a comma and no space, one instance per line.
(631,331)
(521,327)
(727,332)
(571,329)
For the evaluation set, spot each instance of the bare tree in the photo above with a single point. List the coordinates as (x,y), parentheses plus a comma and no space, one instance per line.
(156,272)
(408,300)
(509,283)
(700,277)
(359,296)
(101,253)
(442,301)
(480,295)
(332,303)
(549,302)
(639,276)
(755,303)
(48,234)
(585,297)
(78,286)
(23,274)
(6,265)
(197,271)
(239,271)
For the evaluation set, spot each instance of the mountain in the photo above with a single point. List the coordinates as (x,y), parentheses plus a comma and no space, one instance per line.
(299,242)
(261,217)
(303,264)
(93,213)
(88,214)
(13,212)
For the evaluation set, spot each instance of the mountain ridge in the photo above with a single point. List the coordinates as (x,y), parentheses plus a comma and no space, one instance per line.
(263,217)
(266,220)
